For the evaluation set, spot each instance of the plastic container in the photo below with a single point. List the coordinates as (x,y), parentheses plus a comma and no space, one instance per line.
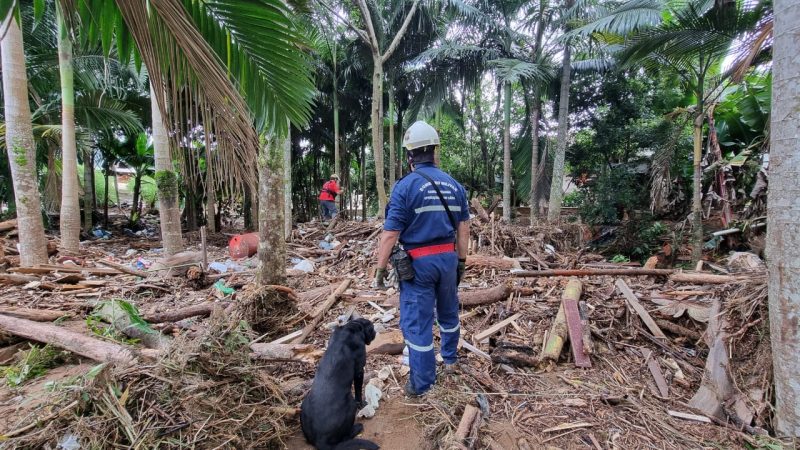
(243,245)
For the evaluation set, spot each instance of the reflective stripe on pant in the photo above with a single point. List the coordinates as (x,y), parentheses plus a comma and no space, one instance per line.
(434,286)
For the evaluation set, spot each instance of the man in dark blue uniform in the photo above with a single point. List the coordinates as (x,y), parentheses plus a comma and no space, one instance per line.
(433,228)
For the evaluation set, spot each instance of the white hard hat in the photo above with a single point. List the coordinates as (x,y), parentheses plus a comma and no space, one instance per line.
(420,134)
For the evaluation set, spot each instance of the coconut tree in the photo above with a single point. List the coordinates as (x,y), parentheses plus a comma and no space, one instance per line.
(70,218)
(19,140)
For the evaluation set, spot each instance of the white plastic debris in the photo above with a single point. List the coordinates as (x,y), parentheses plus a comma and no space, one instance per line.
(69,442)
(366,412)
(218,267)
(385,373)
(305,266)
(373,394)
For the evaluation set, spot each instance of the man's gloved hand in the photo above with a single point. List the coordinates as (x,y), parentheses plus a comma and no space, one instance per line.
(462,266)
(380,278)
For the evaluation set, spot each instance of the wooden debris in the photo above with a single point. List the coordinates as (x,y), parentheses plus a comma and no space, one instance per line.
(558,331)
(568,426)
(201,310)
(45,269)
(484,296)
(321,312)
(467,430)
(495,328)
(515,355)
(285,352)
(679,330)
(479,210)
(123,268)
(651,262)
(11,278)
(491,262)
(7,353)
(8,225)
(704,278)
(69,340)
(574,326)
(388,343)
(37,315)
(287,338)
(687,416)
(592,272)
(716,387)
(655,371)
(633,302)
(473,349)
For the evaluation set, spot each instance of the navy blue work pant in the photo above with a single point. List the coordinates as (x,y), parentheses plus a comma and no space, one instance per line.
(434,287)
(329,209)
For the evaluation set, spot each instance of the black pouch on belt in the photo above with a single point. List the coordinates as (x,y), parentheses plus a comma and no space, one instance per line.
(401,261)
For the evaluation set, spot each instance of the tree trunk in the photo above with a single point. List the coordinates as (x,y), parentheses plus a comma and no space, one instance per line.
(535,113)
(271,243)
(51,196)
(783,218)
(337,157)
(556,188)
(211,193)
(392,149)
(105,199)
(482,136)
(88,190)
(167,184)
(287,186)
(697,187)
(20,146)
(363,183)
(137,187)
(507,152)
(70,219)
(377,131)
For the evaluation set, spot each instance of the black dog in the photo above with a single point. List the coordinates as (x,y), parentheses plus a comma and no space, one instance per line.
(328,413)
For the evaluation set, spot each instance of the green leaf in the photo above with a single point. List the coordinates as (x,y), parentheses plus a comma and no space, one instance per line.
(107,24)
(6,8)
(38,11)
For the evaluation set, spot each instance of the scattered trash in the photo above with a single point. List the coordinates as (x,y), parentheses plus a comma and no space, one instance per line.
(142,263)
(366,412)
(222,288)
(384,373)
(305,266)
(243,245)
(130,252)
(101,233)
(218,267)
(69,442)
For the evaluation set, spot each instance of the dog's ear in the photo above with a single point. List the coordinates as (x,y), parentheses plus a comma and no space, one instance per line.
(367,329)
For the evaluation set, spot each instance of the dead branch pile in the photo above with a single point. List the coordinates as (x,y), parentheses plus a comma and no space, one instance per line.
(203,390)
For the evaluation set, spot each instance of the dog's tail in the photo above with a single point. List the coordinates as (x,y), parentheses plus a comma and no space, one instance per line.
(357,444)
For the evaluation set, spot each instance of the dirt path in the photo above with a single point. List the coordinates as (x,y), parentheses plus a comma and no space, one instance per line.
(393,427)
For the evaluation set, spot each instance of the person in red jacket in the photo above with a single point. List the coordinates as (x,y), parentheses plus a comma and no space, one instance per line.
(327,198)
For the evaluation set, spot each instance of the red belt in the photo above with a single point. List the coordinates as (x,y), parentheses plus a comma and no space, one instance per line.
(419,252)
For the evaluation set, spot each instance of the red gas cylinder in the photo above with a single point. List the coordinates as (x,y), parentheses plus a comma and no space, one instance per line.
(243,245)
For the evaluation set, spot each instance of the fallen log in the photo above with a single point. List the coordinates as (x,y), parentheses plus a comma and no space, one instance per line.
(45,269)
(479,210)
(37,315)
(476,297)
(8,225)
(704,278)
(575,327)
(329,302)
(491,262)
(592,272)
(201,310)
(388,343)
(558,331)
(69,340)
(468,427)
(514,357)
(285,352)
(12,278)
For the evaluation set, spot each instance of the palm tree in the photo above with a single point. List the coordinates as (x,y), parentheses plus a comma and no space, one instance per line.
(70,219)
(691,40)
(271,259)
(462,60)
(783,206)
(20,143)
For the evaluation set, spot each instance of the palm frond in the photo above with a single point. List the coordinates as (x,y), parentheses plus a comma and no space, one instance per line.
(510,70)
(630,16)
